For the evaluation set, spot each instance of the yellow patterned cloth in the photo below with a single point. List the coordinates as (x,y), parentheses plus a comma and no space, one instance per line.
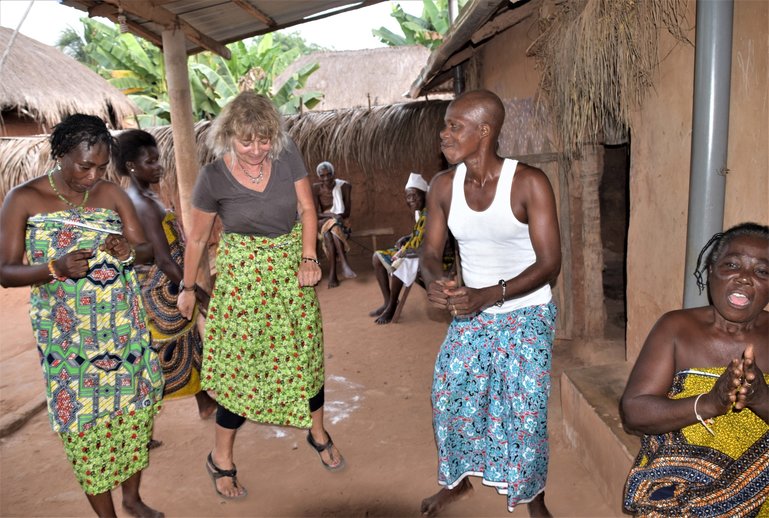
(175,338)
(91,333)
(695,473)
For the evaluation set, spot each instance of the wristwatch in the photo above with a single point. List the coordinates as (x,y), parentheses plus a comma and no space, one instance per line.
(182,287)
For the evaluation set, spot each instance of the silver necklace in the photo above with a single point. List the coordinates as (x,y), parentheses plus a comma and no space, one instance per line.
(254,179)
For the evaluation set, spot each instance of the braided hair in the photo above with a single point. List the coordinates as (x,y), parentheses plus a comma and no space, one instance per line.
(77,129)
(129,146)
(719,242)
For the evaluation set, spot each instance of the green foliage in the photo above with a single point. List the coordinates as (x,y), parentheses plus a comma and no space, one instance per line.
(427,30)
(135,67)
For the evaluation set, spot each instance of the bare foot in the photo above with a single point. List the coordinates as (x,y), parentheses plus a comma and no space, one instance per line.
(154,443)
(347,273)
(433,505)
(386,316)
(206,404)
(378,311)
(141,510)
(333,282)
(537,507)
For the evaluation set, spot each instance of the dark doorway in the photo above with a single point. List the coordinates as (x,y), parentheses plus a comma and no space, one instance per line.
(614,206)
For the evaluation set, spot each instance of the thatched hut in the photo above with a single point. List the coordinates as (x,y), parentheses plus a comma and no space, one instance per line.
(40,85)
(373,149)
(381,76)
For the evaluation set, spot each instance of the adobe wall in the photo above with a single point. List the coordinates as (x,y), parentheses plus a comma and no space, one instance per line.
(660,165)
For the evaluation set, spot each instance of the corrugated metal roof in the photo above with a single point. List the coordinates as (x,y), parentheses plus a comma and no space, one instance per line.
(211,24)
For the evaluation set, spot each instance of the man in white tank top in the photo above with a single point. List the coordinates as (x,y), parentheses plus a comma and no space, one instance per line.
(492,374)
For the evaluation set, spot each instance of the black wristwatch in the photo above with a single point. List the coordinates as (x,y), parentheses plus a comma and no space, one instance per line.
(182,287)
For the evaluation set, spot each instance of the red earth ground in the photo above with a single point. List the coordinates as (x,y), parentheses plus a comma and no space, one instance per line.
(378,411)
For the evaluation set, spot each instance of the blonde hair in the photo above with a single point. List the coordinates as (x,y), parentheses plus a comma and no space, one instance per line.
(248,116)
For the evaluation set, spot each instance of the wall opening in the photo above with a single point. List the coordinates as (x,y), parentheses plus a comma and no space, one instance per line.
(614,207)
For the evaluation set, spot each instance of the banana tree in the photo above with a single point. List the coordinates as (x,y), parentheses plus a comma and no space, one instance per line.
(427,30)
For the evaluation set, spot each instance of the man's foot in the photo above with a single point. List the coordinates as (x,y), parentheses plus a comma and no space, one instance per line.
(347,272)
(154,443)
(386,316)
(537,507)
(206,404)
(139,509)
(433,505)
(329,455)
(378,311)
(333,282)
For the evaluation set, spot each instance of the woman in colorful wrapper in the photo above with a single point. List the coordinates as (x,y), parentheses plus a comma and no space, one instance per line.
(263,354)
(176,339)
(698,393)
(74,238)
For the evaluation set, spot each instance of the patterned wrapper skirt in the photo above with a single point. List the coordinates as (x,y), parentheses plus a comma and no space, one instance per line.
(693,473)
(175,338)
(111,452)
(263,353)
(490,390)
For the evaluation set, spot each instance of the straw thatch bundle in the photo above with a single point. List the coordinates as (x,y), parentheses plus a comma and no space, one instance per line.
(374,149)
(381,76)
(597,59)
(43,84)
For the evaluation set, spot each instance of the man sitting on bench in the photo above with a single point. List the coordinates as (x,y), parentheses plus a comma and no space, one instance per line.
(398,266)
(332,201)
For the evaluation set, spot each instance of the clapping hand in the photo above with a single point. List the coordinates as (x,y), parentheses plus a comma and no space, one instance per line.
(73,265)
(752,388)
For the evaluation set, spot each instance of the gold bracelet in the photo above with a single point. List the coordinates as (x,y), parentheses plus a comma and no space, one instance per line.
(52,270)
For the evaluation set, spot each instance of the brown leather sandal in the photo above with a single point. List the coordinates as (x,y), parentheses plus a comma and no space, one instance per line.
(215,472)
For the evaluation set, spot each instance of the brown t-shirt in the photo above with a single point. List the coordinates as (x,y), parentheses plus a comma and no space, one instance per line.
(270,213)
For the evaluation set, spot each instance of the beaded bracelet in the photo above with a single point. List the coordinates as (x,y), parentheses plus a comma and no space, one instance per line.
(705,422)
(310,260)
(130,259)
(52,270)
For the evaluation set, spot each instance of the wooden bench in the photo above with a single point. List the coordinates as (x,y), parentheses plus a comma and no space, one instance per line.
(373,233)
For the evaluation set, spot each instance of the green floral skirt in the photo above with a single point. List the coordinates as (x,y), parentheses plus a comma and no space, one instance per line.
(112,451)
(263,351)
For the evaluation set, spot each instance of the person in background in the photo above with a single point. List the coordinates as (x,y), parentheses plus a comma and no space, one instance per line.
(398,266)
(332,201)
(177,340)
(74,237)
(698,392)
(492,376)
(264,335)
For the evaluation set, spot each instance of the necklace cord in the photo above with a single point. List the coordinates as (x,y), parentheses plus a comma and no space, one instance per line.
(61,196)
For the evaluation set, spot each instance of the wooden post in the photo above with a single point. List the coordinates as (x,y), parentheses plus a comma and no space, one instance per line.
(182,129)
(182,124)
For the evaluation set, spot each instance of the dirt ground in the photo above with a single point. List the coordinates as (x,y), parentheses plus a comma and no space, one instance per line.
(378,411)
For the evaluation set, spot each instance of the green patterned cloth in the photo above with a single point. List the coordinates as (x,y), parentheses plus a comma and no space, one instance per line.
(263,353)
(110,452)
(91,333)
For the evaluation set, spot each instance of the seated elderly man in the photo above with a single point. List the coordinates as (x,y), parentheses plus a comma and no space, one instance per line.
(398,266)
(332,201)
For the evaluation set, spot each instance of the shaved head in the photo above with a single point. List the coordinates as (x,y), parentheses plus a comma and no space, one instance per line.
(484,107)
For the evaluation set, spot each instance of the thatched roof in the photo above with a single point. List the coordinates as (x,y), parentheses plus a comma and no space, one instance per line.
(382,139)
(361,78)
(44,84)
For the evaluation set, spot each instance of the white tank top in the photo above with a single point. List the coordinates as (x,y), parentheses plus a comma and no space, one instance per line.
(493,244)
